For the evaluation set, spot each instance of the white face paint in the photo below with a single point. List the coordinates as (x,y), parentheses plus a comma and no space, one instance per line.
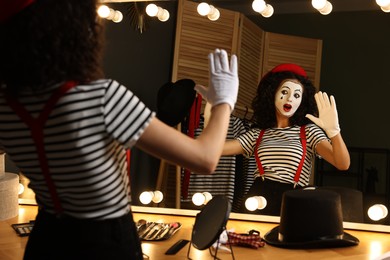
(288,97)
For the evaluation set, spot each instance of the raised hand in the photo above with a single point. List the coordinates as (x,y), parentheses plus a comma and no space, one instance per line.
(223,82)
(328,117)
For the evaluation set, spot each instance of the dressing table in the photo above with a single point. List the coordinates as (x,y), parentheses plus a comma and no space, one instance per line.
(372,243)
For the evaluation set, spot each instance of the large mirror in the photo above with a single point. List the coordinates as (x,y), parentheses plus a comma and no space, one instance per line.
(354,68)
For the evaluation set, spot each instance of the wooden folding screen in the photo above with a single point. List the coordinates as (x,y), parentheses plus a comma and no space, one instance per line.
(281,48)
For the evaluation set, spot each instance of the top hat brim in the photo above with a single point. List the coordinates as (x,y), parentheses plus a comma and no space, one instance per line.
(271,238)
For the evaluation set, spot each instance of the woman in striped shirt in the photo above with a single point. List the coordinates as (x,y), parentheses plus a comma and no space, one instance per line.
(67,128)
(285,140)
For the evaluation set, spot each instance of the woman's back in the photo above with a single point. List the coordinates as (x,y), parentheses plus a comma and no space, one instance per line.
(83,137)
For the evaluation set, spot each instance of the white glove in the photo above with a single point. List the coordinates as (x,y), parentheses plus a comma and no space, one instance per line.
(223,84)
(328,118)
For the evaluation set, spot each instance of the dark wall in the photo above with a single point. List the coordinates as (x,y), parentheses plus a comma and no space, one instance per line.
(142,62)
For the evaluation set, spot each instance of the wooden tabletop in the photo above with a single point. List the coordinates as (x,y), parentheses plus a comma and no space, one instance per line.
(372,244)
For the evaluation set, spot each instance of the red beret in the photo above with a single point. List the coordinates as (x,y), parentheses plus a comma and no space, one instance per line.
(290,67)
(9,8)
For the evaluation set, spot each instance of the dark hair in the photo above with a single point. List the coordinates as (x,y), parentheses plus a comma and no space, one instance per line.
(51,41)
(263,105)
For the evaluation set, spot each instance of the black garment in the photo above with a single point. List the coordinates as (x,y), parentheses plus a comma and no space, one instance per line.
(70,238)
(272,191)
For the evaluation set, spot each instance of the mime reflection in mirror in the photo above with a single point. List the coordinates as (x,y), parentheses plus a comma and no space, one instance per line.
(291,125)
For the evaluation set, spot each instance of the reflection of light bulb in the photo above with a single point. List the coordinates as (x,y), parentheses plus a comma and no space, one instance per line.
(251,204)
(21,188)
(111,15)
(151,10)
(377,212)
(214,14)
(163,15)
(148,196)
(383,3)
(268,11)
(118,16)
(203,9)
(327,8)
(157,196)
(318,4)
(201,198)
(103,11)
(386,9)
(376,250)
(258,5)
(256,202)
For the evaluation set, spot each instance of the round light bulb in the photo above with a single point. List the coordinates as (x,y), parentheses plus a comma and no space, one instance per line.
(21,188)
(151,10)
(214,15)
(258,5)
(251,204)
(111,15)
(198,199)
(163,16)
(201,198)
(207,196)
(327,9)
(377,212)
(256,202)
(118,17)
(261,202)
(103,11)
(386,9)
(318,4)
(268,12)
(157,196)
(383,3)
(203,9)
(146,197)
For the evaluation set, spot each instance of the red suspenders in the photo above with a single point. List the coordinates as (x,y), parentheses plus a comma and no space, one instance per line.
(36,126)
(302,135)
(194,119)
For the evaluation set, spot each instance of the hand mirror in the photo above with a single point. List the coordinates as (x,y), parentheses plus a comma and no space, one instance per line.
(210,222)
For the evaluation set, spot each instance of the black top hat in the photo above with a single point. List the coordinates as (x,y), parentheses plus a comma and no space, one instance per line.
(351,202)
(310,218)
(174,101)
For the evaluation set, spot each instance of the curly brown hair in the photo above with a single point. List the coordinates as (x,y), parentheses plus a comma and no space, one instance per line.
(51,41)
(263,104)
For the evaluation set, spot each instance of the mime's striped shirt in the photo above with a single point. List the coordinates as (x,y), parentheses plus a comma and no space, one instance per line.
(280,151)
(85,138)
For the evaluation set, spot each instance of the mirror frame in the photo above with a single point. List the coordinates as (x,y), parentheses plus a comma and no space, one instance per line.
(125,80)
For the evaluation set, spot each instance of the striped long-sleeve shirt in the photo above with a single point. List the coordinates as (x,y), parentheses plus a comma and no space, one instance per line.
(85,137)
